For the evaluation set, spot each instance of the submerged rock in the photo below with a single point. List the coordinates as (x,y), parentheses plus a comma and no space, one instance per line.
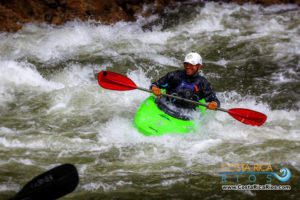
(14,13)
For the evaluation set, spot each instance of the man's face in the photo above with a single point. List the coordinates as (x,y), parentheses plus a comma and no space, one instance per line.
(190,69)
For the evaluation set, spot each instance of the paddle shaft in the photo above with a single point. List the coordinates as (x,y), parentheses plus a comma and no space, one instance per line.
(182,99)
(115,81)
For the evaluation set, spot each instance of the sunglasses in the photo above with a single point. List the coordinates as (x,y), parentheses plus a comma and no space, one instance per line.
(190,65)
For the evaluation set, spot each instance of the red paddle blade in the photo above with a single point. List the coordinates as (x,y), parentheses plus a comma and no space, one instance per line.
(247,116)
(114,81)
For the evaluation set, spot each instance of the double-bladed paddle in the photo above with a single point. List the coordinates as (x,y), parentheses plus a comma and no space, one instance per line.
(115,81)
(50,185)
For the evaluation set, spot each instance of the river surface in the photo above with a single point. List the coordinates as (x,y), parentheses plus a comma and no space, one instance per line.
(53,110)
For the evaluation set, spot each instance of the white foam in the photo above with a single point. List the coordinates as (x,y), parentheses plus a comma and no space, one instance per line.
(280,8)
(57,44)
(279,78)
(5,130)
(96,185)
(174,181)
(222,62)
(75,75)
(9,187)
(21,76)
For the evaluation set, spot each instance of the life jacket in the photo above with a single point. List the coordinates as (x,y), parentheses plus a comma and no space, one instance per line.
(182,110)
(187,90)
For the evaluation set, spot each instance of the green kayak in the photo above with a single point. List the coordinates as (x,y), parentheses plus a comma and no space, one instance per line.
(150,120)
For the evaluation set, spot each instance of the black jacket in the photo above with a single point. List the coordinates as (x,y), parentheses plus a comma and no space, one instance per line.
(192,87)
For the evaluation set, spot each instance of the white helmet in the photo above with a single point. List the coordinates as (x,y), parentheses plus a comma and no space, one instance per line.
(193,58)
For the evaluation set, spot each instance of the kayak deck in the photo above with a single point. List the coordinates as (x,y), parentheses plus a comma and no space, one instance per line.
(150,120)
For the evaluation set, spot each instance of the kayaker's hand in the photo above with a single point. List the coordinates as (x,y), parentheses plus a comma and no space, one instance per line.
(212,105)
(156,91)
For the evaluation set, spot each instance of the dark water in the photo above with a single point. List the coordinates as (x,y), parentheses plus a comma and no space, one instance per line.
(54,112)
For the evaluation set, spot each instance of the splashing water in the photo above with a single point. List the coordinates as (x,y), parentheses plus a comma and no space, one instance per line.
(53,111)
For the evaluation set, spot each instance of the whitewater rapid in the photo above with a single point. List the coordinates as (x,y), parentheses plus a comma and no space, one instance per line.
(53,111)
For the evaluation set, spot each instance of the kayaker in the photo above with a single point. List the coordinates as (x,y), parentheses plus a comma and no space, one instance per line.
(188,84)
